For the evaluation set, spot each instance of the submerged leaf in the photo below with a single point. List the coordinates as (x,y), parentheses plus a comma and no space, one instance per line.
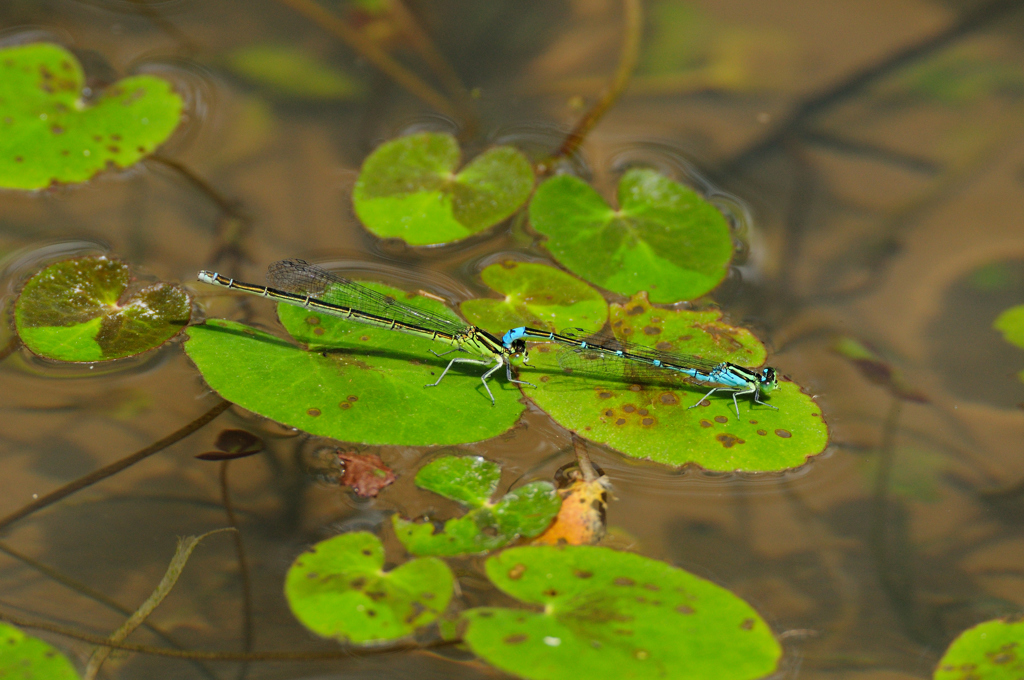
(338,589)
(366,473)
(664,238)
(77,310)
(601,614)
(292,72)
(50,134)
(408,188)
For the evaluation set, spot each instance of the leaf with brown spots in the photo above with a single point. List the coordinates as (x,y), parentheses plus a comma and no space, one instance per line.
(51,133)
(339,589)
(601,614)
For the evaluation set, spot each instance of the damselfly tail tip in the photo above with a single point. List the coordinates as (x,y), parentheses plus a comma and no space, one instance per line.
(207,276)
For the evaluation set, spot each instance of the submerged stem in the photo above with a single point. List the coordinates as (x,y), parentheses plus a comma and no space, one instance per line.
(375,55)
(634,20)
(112,469)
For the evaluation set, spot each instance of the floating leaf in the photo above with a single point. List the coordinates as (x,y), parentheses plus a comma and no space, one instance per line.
(338,589)
(471,480)
(582,518)
(408,188)
(993,650)
(49,133)
(645,417)
(608,614)
(535,295)
(23,657)
(79,310)
(355,380)
(366,473)
(664,238)
(292,72)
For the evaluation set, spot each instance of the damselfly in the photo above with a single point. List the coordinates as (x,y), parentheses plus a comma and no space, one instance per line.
(300,283)
(613,357)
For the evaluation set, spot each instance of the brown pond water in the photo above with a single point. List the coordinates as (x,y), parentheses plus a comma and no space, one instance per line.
(878,149)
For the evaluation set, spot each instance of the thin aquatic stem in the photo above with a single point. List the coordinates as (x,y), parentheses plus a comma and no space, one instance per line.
(628,56)
(375,55)
(112,469)
(96,596)
(347,653)
(243,567)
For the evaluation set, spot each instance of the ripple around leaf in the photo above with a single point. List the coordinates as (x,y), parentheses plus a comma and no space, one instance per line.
(664,238)
(408,188)
(359,383)
(78,310)
(338,589)
(612,615)
(23,657)
(49,134)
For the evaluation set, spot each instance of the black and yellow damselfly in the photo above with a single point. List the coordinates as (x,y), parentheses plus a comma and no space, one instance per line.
(297,282)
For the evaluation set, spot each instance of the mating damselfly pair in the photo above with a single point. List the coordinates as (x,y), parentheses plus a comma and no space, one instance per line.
(306,285)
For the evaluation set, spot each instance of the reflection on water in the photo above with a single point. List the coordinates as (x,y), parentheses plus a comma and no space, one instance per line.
(873,177)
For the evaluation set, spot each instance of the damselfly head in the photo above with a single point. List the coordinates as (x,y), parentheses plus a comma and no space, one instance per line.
(768,379)
(518,347)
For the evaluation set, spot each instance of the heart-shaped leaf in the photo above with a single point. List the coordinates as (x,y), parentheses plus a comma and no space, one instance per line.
(49,133)
(78,310)
(355,380)
(664,238)
(23,657)
(647,414)
(611,615)
(338,589)
(471,480)
(408,188)
(993,650)
(535,295)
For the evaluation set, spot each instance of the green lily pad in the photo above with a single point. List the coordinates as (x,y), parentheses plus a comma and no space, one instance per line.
(614,615)
(408,188)
(78,310)
(49,134)
(535,295)
(993,650)
(646,418)
(664,238)
(291,72)
(471,480)
(357,383)
(23,657)
(338,589)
